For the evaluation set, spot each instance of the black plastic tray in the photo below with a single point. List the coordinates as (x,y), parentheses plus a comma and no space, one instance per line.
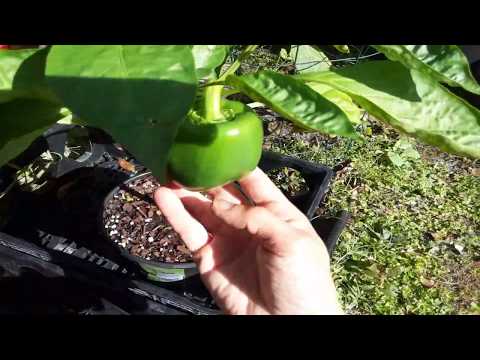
(39,281)
(316,176)
(47,232)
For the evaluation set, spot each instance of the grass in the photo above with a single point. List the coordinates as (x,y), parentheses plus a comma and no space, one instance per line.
(413,245)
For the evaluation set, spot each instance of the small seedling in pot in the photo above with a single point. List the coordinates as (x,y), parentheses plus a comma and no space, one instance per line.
(288,180)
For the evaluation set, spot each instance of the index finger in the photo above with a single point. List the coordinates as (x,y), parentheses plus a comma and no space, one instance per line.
(258,186)
(190,230)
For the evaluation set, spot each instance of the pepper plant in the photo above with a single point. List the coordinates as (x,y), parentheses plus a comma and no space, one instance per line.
(167,104)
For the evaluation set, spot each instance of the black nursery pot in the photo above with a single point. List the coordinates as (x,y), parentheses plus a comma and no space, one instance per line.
(154,270)
(317,177)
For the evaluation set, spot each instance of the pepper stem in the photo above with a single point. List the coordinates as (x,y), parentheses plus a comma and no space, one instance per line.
(213,103)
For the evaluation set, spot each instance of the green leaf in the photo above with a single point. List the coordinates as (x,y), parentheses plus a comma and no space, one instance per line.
(284,54)
(410,101)
(446,63)
(342,100)
(208,58)
(406,149)
(10,62)
(342,48)
(140,94)
(403,151)
(22,75)
(309,59)
(396,159)
(295,101)
(23,120)
(70,119)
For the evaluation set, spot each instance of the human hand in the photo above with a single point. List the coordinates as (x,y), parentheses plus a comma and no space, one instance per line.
(263,259)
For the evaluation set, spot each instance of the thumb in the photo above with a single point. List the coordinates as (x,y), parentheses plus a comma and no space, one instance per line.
(277,235)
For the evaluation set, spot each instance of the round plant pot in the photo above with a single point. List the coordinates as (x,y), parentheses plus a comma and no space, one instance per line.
(154,270)
(163,272)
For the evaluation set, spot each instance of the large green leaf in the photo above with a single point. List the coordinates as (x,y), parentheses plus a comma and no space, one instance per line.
(309,59)
(139,94)
(342,100)
(295,101)
(22,121)
(410,101)
(10,62)
(208,58)
(22,75)
(446,63)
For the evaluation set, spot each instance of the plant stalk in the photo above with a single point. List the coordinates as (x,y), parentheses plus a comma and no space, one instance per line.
(212,103)
(212,107)
(245,53)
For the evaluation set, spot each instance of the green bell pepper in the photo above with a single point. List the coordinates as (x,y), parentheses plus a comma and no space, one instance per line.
(207,155)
